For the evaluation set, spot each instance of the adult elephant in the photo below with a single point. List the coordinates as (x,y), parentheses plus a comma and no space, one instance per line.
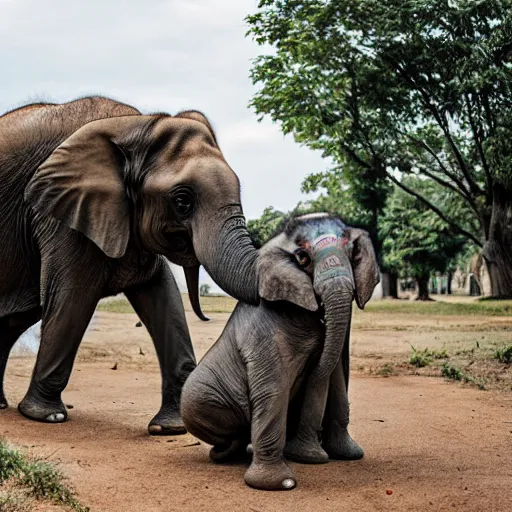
(93,197)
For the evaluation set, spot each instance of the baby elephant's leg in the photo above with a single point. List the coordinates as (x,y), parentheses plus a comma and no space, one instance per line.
(232,451)
(269,396)
(207,417)
(336,439)
(305,445)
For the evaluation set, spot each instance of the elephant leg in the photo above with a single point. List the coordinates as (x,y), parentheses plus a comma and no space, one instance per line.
(159,306)
(7,340)
(238,450)
(269,398)
(305,445)
(66,314)
(336,439)
(11,328)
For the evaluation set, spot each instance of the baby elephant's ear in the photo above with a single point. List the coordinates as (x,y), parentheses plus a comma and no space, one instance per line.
(364,265)
(281,279)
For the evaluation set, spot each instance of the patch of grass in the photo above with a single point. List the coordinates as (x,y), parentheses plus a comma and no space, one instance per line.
(488,307)
(224,304)
(422,358)
(36,479)
(116,305)
(13,502)
(419,359)
(504,354)
(451,372)
(386,370)
(209,304)
(454,373)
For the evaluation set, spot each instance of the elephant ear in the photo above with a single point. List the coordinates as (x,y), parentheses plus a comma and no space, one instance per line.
(364,265)
(81,183)
(281,279)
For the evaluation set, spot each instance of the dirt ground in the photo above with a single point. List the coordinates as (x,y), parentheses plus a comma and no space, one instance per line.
(429,444)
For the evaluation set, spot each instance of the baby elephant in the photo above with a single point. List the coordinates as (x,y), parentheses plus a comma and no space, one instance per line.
(278,375)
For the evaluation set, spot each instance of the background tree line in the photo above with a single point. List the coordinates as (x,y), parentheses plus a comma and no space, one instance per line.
(411,100)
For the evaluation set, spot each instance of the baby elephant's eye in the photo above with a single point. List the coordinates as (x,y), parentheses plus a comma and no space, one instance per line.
(302,257)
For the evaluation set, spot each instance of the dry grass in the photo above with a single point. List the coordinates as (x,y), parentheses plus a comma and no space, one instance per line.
(212,304)
(463,306)
(28,484)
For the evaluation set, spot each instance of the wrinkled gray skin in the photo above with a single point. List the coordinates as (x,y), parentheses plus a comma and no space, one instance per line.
(93,197)
(286,354)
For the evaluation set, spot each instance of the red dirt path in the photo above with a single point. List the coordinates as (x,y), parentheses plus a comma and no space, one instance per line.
(435,445)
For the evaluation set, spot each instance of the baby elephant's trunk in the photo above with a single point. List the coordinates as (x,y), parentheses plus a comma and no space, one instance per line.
(336,294)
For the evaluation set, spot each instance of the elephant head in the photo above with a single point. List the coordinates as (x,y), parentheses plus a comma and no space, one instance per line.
(318,259)
(156,182)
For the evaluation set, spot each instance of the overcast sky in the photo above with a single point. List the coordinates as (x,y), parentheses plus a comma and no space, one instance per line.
(159,56)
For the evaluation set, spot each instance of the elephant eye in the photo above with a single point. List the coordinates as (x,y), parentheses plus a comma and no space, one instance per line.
(182,203)
(302,257)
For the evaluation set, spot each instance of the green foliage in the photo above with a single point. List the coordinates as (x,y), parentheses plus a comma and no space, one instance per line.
(40,479)
(389,89)
(405,307)
(421,358)
(416,241)
(504,354)
(453,373)
(204,290)
(262,229)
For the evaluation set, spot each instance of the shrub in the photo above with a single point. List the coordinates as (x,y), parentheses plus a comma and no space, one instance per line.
(504,354)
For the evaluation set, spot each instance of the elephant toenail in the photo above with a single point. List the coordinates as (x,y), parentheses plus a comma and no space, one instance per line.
(56,417)
(288,483)
(249,450)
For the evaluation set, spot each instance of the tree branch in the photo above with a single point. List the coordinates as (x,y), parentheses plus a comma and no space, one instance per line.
(441,121)
(352,154)
(443,167)
(478,141)
(446,184)
(436,210)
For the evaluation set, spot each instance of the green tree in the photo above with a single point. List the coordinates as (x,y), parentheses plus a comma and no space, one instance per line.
(263,228)
(416,241)
(390,88)
(204,290)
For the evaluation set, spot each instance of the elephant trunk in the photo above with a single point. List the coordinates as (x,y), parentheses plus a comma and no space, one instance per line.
(336,295)
(229,256)
(192,278)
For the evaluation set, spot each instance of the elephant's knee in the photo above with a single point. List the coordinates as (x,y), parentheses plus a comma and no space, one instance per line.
(203,416)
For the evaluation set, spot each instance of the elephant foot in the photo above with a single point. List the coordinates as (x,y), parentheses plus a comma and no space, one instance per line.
(340,446)
(307,452)
(3,401)
(277,476)
(167,423)
(235,451)
(43,411)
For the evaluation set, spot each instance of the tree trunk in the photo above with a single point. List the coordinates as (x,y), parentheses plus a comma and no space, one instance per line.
(500,274)
(474,287)
(389,282)
(449,277)
(498,248)
(423,288)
